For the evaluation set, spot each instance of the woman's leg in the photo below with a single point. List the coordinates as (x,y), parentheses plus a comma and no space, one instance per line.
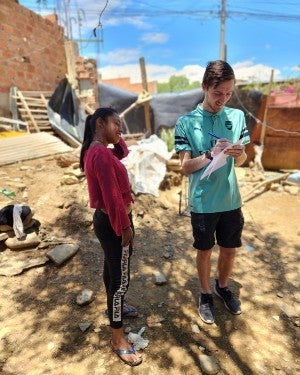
(116,278)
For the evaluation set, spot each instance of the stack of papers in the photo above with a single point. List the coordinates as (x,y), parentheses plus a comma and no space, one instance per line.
(218,161)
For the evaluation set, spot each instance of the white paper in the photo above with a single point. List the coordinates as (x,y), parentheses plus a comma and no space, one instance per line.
(218,161)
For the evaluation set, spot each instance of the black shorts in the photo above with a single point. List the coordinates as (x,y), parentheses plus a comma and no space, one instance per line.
(225,227)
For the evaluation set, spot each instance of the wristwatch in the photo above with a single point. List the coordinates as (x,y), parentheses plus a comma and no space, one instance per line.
(208,155)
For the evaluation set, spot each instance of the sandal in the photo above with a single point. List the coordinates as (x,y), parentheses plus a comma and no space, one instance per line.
(121,352)
(128,311)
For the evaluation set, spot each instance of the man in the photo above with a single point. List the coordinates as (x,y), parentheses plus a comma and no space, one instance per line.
(214,201)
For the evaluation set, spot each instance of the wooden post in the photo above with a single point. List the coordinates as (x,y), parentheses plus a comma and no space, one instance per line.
(145,87)
(263,129)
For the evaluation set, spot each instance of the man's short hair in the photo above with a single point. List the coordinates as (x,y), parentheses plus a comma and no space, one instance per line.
(217,72)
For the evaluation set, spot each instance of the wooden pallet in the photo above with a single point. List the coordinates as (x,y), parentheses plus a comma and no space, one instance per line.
(32,109)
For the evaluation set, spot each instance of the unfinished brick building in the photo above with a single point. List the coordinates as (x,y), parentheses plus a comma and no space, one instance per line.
(35,55)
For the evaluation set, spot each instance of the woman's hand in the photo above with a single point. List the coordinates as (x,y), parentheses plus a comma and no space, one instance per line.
(127,236)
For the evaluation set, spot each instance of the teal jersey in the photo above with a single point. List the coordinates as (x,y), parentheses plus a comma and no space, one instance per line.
(219,192)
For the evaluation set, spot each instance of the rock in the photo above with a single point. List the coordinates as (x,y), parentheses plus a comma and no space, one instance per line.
(290,310)
(75,172)
(29,240)
(16,185)
(159,278)
(69,180)
(84,326)
(13,263)
(208,364)
(154,320)
(68,159)
(85,297)
(195,328)
(3,236)
(61,253)
(293,190)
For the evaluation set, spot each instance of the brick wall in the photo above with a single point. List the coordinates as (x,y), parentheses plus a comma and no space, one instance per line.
(32,53)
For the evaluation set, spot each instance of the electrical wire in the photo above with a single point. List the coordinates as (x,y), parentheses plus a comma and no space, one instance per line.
(99,23)
(258,121)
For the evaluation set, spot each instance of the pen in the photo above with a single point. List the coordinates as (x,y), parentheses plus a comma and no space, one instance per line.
(214,135)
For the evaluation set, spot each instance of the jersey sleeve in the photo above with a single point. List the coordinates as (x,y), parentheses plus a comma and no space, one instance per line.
(244,136)
(181,140)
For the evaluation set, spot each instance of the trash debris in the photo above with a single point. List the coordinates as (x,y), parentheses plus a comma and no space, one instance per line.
(18,223)
(8,193)
(137,340)
(294,177)
(15,217)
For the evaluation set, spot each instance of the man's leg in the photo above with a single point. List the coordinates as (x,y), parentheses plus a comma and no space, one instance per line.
(206,307)
(225,265)
(203,267)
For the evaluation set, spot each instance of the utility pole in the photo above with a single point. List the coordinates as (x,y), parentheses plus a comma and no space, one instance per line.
(146,104)
(223,52)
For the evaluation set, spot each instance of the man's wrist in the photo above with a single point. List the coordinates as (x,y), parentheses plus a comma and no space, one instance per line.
(208,155)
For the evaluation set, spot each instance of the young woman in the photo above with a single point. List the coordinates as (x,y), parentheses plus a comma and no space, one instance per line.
(110,196)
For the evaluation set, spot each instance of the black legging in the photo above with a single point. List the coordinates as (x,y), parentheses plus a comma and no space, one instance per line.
(116,270)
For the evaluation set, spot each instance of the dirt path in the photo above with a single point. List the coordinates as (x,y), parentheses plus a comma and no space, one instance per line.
(39,317)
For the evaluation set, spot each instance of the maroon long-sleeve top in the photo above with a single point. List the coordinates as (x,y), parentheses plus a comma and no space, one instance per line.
(108,183)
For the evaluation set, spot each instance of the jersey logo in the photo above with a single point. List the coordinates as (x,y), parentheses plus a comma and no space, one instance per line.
(228,125)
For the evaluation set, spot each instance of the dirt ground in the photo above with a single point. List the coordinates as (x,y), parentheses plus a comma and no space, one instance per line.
(39,316)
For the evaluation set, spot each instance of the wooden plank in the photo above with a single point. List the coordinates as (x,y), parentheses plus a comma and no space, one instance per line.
(11,124)
(45,101)
(30,146)
(28,111)
(38,93)
(35,110)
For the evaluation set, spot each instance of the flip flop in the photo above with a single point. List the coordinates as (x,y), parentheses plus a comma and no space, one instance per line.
(121,352)
(128,311)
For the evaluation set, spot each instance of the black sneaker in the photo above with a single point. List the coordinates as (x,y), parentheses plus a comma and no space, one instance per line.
(206,308)
(231,303)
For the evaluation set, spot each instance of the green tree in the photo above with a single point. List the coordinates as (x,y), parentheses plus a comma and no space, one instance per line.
(177,84)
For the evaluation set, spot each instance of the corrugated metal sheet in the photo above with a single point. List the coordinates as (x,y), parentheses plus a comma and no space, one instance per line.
(30,146)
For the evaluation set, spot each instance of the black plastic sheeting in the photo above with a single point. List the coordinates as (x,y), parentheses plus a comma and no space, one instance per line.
(68,113)
(119,99)
(166,108)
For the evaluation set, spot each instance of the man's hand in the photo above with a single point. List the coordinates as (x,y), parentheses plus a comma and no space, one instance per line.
(235,151)
(221,144)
